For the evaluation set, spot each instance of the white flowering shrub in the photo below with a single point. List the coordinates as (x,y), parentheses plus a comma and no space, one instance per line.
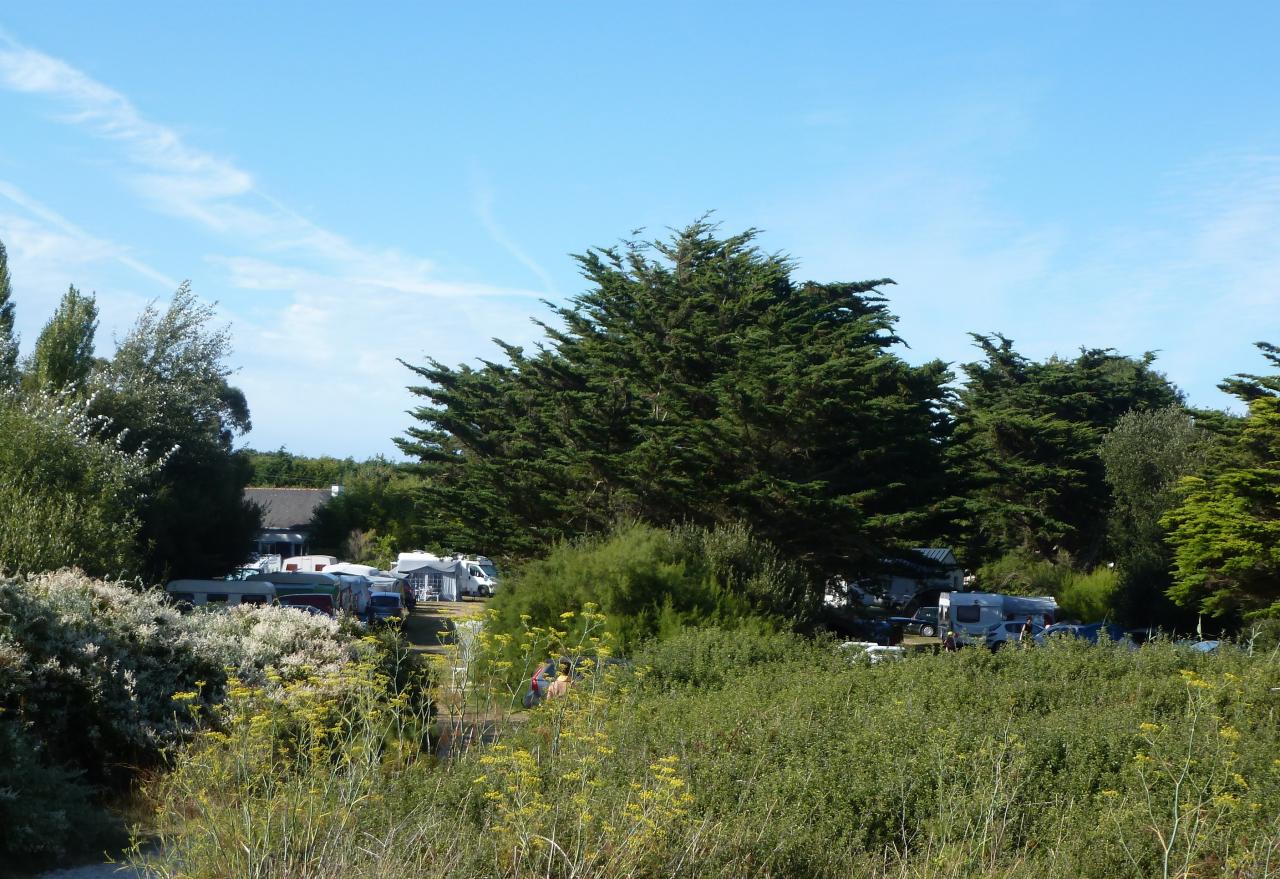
(89,671)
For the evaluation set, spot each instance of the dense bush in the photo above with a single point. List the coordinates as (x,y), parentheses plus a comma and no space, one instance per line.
(733,755)
(89,672)
(68,493)
(1088,596)
(653,582)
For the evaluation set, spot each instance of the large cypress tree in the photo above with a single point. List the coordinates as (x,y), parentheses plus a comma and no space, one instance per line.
(693,381)
(1026,452)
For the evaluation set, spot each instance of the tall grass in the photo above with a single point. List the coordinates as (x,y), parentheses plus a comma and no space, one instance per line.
(732,755)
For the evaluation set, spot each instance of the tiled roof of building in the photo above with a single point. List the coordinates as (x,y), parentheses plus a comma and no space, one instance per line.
(287,508)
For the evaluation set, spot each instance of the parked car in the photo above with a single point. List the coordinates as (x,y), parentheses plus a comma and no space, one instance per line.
(923,622)
(1091,632)
(1009,631)
(385,607)
(885,632)
(871,652)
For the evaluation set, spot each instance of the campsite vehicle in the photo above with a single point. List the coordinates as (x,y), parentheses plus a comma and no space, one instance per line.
(310,609)
(1010,632)
(308,563)
(478,582)
(312,602)
(446,579)
(379,580)
(871,652)
(924,622)
(386,607)
(971,615)
(1091,632)
(291,584)
(220,592)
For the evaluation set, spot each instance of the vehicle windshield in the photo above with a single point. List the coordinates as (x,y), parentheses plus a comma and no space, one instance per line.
(490,570)
(386,601)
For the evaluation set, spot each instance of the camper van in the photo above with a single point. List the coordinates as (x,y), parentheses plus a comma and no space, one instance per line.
(971,615)
(226,593)
(325,591)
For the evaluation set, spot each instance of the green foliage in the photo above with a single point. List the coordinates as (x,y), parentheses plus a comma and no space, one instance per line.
(166,390)
(9,374)
(63,356)
(765,755)
(1026,447)
(283,469)
(693,382)
(649,582)
(1225,532)
(1145,455)
(1091,596)
(377,496)
(69,495)
(1088,596)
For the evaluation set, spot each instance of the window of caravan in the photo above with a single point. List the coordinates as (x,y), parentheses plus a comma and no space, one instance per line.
(215,598)
(968,613)
(253,599)
(182,598)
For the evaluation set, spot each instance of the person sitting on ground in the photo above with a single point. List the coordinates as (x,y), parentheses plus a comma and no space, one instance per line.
(560,686)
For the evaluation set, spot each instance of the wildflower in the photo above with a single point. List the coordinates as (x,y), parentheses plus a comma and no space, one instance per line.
(1149,727)
(1229,733)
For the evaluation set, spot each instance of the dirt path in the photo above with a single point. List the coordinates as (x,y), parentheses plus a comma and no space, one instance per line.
(429,627)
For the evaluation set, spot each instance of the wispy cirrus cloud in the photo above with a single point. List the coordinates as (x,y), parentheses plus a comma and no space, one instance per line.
(186,182)
(330,314)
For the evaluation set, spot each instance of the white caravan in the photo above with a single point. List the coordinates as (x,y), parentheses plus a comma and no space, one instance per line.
(226,593)
(972,614)
(308,563)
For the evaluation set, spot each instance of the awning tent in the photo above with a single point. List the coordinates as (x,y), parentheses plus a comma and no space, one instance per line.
(442,576)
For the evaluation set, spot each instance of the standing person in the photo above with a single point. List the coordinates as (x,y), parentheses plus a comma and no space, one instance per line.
(949,643)
(1028,632)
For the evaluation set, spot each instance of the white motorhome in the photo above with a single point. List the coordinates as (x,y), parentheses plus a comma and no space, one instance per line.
(972,614)
(227,593)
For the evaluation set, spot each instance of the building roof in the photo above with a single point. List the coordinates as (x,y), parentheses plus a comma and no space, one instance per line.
(940,554)
(287,508)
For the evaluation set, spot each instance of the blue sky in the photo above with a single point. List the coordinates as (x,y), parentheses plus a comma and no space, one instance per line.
(356,184)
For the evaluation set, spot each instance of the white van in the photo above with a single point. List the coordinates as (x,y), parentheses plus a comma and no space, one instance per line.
(221,592)
(971,615)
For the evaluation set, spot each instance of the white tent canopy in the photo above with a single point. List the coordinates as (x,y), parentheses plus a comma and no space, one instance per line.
(428,575)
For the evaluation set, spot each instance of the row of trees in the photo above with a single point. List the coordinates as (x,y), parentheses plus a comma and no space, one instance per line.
(121,465)
(696,382)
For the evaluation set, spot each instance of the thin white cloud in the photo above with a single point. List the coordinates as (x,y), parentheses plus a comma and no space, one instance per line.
(484,211)
(180,180)
(50,227)
(329,317)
